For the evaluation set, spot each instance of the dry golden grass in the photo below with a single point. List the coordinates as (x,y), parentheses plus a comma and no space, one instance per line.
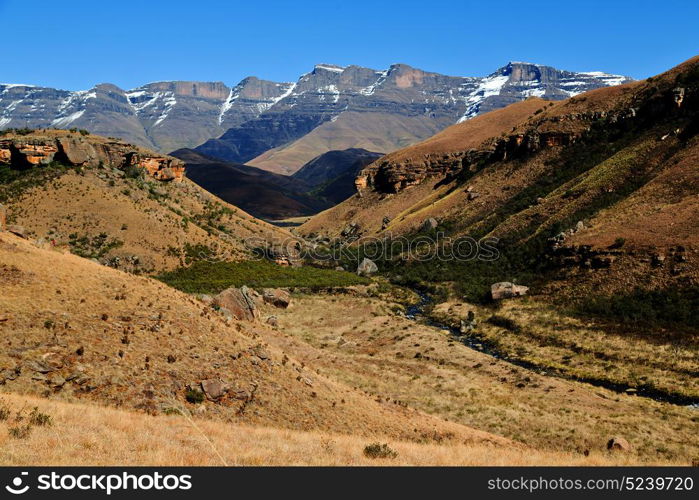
(352,339)
(153,220)
(88,435)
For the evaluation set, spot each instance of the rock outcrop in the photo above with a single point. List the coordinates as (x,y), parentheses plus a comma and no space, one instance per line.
(44,147)
(537,134)
(506,290)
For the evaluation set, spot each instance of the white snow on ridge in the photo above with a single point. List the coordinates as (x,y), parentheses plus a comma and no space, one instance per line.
(227,104)
(66,120)
(491,85)
(287,93)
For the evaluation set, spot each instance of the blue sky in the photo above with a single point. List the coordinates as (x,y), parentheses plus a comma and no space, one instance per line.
(76,44)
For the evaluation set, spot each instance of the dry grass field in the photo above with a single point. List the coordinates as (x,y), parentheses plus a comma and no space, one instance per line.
(89,435)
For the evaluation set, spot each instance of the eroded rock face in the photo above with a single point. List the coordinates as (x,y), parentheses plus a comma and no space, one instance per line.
(367,267)
(618,443)
(555,131)
(66,148)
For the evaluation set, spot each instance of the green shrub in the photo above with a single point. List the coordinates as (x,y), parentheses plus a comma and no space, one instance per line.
(213,277)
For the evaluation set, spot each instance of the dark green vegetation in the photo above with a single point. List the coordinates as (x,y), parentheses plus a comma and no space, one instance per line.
(213,277)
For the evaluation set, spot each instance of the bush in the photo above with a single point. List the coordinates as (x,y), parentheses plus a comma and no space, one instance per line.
(378,450)
(650,307)
(40,419)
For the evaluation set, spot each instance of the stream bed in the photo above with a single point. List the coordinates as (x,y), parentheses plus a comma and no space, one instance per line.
(416,312)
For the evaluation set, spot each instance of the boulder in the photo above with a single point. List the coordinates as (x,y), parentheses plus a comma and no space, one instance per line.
(506,290)
(367,267)
(272,321)
(430,224)
(239,302)
(385,222)
(618,443)
(213,388)
(276,297)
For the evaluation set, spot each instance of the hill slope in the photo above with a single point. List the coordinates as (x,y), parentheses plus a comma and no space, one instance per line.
(90,195)
(76,330)
(613,164)
(259,192)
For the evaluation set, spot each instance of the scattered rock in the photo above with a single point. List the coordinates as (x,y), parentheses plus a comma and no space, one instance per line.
(272,321)
(241,394)
(339,268)
(367,267)
(473,195)
(17,230)
(56,380)
(206,299)
(506,290)
(276,297)
(238,302)
(213,388)
(618,443)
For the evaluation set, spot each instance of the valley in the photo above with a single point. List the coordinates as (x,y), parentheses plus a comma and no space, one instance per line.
(288,294)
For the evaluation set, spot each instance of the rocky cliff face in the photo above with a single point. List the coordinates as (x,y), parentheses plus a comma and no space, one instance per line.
(43,148)
(256,115)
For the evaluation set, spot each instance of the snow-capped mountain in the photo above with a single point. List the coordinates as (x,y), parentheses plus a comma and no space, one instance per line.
(280,126)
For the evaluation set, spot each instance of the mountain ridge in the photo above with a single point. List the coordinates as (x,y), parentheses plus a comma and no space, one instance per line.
(170,115)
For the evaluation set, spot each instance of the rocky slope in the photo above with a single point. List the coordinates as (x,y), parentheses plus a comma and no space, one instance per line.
(122,205)
(260,115)
(577,175)
(76,330)
(164,115)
